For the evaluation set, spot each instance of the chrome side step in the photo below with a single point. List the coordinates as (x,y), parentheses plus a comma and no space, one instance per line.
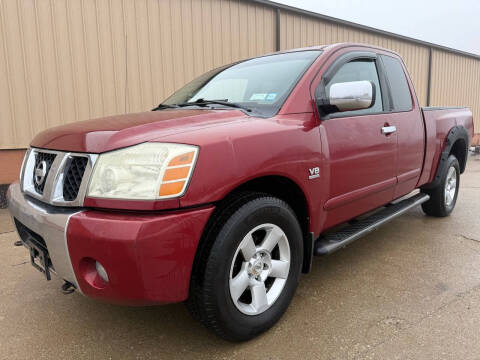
(334,241)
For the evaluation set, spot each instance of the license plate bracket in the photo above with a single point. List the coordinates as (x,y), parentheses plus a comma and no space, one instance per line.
(41,254)
(37,248)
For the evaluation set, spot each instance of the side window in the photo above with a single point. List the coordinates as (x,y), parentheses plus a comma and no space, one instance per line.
(401,98)
(357,70)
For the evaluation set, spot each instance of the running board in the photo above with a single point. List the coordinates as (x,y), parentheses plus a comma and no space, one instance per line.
(334,241)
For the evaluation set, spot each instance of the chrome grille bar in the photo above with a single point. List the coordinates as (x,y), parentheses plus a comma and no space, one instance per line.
(53,189)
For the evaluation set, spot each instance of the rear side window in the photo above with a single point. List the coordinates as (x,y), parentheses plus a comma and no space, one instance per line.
(357,70)
(401,98)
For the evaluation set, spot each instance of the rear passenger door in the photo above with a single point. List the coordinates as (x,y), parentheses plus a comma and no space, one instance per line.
(406,116)
(361,157)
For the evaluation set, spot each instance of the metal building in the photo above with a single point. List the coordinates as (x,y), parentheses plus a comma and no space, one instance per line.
(69,60)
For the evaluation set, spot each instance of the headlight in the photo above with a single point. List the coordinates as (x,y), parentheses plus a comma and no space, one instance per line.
(143,172)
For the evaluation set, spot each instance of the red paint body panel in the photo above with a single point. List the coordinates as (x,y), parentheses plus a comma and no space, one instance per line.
(153,205)
(286,145)
(148,257)
(149,254)
(410,149)
(410,142)
(362,172)
(438,124)
(114,132)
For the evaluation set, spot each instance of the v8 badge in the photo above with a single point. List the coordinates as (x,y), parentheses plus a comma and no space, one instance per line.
(314,173)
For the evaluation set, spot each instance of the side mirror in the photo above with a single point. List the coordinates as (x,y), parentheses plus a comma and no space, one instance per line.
(349,96)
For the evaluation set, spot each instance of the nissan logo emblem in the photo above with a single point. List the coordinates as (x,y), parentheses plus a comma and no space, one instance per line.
(40,172)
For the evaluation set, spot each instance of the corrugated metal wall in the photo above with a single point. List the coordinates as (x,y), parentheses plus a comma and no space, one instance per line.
(297,31)
(456,81)
(68,60)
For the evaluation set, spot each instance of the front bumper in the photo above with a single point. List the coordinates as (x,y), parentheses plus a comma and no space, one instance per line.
(49,222)
(148,257)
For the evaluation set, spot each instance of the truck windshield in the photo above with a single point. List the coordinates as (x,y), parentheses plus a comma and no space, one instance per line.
(260,84)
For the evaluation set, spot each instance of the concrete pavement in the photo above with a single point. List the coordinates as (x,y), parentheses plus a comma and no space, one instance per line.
(410,290)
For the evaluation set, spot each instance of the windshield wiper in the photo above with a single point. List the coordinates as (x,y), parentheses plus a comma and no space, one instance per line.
(165,106)
(203,102)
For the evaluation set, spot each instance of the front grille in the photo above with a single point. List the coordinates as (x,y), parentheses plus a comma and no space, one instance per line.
(74,171)
(68,176)
(39,157)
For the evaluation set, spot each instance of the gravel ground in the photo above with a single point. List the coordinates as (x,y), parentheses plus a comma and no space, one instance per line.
(410,290)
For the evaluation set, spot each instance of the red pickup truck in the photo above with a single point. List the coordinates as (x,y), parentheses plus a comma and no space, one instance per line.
(222,194)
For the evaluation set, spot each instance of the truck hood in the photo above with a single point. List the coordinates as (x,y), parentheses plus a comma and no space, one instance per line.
(113,132)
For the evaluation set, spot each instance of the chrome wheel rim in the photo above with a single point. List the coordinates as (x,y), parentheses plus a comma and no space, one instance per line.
(450,186)
(259,269)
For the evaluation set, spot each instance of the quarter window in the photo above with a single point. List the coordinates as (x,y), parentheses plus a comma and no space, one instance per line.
(401,98)
(358,70)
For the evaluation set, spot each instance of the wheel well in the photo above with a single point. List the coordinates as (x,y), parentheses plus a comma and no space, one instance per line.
(459,149)
(288,191)
(278,186)
(282,188)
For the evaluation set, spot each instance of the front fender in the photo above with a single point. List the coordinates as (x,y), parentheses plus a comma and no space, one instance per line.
(232,155)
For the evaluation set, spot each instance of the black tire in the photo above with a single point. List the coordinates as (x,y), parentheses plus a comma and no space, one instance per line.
(437,205)
(209,299)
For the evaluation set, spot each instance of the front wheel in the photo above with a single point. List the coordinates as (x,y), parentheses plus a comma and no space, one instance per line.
(444,197)
(251,272)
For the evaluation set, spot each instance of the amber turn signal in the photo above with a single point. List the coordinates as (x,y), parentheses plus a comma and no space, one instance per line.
(172,188)
(184,159)
(176,173)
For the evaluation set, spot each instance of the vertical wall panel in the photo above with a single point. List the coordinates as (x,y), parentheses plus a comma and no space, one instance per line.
(68,60)
(7,117)
(156,59)
(165,37)
(49,67)
(64,61)
(93,55)
(456,82)
(15,66)
(78,58)
(105,53)
(34,88)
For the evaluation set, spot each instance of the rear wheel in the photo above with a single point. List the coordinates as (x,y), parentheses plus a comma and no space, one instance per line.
(444,197)
(251,272)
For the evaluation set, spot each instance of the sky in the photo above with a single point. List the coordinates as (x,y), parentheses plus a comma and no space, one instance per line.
(452,23)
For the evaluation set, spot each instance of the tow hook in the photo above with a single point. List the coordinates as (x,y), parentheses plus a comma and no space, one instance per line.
(68,288)
(18,243)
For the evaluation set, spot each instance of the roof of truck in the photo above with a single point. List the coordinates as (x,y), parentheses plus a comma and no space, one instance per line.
(336,46)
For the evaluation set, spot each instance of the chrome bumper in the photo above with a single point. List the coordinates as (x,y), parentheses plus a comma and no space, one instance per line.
(50,223)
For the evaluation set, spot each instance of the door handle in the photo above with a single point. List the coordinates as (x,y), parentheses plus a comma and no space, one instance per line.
(386,130)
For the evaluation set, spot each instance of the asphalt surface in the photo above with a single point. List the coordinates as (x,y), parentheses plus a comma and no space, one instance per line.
(410,290)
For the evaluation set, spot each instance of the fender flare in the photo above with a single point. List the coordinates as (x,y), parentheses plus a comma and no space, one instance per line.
(455,133)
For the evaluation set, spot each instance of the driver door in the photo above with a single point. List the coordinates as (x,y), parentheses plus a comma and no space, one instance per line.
(361,157)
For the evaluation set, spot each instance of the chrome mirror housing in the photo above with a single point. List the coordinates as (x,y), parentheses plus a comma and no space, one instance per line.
(353,95)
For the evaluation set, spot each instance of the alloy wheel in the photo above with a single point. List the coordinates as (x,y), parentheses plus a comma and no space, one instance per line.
(450,186)
(259,269)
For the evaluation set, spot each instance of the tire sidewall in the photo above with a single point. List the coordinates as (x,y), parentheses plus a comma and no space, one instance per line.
(252,214)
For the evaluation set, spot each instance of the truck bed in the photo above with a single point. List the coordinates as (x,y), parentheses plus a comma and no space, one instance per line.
(438,122)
